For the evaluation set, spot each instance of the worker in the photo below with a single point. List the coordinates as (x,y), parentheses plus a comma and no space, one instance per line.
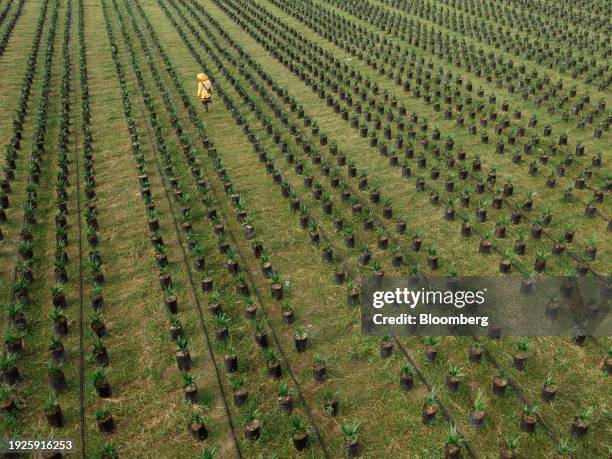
(205,90)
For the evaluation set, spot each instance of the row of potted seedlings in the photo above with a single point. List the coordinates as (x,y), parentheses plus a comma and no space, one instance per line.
(24,277)
(277,286)
(56,375)
(300,437)
(8,30)
(197,425)
(5,11)
(13,147)
(277,290)
(221,319)
(99,376)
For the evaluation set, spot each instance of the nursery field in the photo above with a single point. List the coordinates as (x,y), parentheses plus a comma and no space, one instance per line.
(184,283)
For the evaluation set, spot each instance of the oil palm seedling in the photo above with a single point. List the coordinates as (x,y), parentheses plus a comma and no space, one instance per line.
(432,257)
(285,398)
(60,322)
(431,345)
(13,341)
(478,414)
(350,431)
(97,324)
(406,379)
(175,325)
(287,313)
(331,402)
(364,255)
(549,389)
(300,339)
(300,433)
(509,451)
(499,384)
(485,242)
(101,383)
(276,287)
(9,373)
(57,379)
(222,322)
(252,426)
(58,296)
(100,353)
(505,263)
(529,418)
(580,426)
(183,357)
(240,392)
(53,411)
(454,441)
(453,377)
(565,450)
(273,364)
(520,356)
(230,358)
(386,346)
(476,352)
(57,350)
(319,368)
(430,406)
(197,426)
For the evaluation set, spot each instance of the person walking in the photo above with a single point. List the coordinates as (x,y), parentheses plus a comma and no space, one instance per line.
(205,90)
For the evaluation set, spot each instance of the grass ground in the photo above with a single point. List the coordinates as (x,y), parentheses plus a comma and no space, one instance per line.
(147,402)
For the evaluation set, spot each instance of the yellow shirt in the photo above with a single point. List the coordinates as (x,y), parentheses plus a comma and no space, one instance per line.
(204,89)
